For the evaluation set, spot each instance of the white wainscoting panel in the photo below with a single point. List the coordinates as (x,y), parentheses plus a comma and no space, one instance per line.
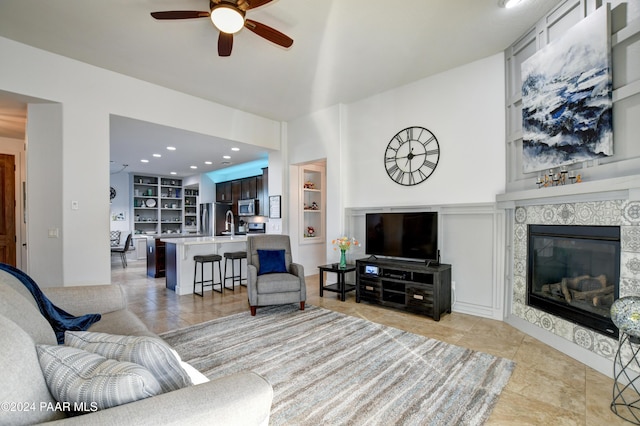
(471,240)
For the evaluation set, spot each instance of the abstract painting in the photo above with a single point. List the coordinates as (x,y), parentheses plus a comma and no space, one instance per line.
(566,97)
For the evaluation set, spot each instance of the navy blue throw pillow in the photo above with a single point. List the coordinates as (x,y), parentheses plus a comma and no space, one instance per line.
(271,261)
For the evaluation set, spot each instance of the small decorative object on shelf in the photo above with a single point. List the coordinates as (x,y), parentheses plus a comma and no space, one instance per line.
(344,244)
(553,178)
(309,185)
(310,232)
(313,206)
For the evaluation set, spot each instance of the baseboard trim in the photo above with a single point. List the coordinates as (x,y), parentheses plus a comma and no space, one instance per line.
(476,310)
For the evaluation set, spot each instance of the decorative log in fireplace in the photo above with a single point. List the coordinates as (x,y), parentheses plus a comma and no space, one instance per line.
(595,290)
(573,272)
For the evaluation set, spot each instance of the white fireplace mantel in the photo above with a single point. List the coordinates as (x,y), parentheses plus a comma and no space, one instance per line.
(626,187)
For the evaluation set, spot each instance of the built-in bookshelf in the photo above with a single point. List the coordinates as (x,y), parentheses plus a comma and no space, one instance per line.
(157,205)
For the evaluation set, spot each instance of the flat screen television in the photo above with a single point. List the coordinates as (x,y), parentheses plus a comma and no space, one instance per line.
(404,235)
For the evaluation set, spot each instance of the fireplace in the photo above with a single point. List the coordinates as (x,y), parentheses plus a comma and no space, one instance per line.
(573,272)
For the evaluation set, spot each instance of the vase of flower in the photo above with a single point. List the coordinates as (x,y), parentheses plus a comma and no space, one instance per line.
(343,244)
(343,259)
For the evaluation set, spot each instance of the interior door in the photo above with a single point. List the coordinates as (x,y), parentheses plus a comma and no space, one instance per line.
(8,211)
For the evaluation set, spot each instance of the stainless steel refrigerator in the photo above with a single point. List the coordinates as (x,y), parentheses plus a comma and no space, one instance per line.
(206,219)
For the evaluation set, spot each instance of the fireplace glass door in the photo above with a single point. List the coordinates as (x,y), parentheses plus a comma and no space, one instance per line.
(573,272)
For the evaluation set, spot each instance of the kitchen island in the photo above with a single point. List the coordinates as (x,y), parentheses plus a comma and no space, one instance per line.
(179,254)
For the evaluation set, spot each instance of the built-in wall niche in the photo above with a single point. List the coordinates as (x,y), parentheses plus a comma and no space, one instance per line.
(312,204)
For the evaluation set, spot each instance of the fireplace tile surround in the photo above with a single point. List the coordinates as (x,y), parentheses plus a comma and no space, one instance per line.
(623,213)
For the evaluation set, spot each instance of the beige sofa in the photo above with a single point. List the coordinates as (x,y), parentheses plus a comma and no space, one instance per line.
(240,399)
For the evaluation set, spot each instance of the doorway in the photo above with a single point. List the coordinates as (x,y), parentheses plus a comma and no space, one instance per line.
(8,211)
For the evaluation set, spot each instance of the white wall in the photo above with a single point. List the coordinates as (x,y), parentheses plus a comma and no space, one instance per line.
(463,108)
(45,194)
(80,168)
(311,138)
(278,176)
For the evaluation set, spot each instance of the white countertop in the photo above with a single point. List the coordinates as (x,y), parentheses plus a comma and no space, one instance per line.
(222,239)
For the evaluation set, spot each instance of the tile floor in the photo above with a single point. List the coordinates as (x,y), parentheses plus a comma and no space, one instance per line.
(546,388)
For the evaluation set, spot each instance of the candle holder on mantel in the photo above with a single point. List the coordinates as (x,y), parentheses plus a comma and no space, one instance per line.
(555,178)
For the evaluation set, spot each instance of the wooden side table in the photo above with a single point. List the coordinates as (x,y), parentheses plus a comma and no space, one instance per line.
(341,286)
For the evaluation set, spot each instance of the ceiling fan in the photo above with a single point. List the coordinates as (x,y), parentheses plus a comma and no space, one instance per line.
(229,17)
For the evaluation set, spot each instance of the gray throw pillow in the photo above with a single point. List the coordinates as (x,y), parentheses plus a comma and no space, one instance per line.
(151,353)
(91,381)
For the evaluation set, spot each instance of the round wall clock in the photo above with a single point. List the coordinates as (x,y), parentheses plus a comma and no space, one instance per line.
(411,156)
(112,194)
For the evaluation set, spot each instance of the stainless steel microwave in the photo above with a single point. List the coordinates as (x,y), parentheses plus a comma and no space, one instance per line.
(246,207)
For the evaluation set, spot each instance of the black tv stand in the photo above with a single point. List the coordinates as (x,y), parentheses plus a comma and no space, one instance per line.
(420,287)
(433,262)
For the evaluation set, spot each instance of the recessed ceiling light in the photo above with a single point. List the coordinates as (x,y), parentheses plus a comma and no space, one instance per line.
(208,163)
(194,167)
(226,157)
(235,149)
(509,3)
(157,155)
(173,173)
(171,148)
(144,160)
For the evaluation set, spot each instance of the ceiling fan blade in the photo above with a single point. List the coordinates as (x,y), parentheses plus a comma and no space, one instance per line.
(180,14)
(225,44)
(269,33)
(257,3)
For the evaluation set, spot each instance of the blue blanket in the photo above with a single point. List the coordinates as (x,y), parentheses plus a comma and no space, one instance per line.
(58,318)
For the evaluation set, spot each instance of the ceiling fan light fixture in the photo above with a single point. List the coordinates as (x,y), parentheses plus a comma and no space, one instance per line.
(508,4)
(227,18)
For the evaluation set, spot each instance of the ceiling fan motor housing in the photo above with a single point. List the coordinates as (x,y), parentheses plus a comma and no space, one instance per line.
(227,18)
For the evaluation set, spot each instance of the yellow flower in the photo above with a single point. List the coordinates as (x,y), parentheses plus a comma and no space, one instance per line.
(344,243)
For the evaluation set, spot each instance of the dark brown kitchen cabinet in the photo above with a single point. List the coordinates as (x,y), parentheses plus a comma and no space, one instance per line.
(223,192)
(259,197)
(262,192)
(155,257)
(236,190)
(248,188)
(251,188)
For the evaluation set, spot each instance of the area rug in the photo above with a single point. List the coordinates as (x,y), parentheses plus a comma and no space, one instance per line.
(327,368)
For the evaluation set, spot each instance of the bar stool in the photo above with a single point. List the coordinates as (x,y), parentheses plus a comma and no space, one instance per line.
(233,256)
(202,259)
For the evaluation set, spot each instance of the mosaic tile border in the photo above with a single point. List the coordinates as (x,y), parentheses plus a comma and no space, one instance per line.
(625,214)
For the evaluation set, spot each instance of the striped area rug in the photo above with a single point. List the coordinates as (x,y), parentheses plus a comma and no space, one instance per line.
(328,368)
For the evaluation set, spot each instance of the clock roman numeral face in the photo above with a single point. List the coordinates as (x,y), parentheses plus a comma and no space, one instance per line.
(411,156)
